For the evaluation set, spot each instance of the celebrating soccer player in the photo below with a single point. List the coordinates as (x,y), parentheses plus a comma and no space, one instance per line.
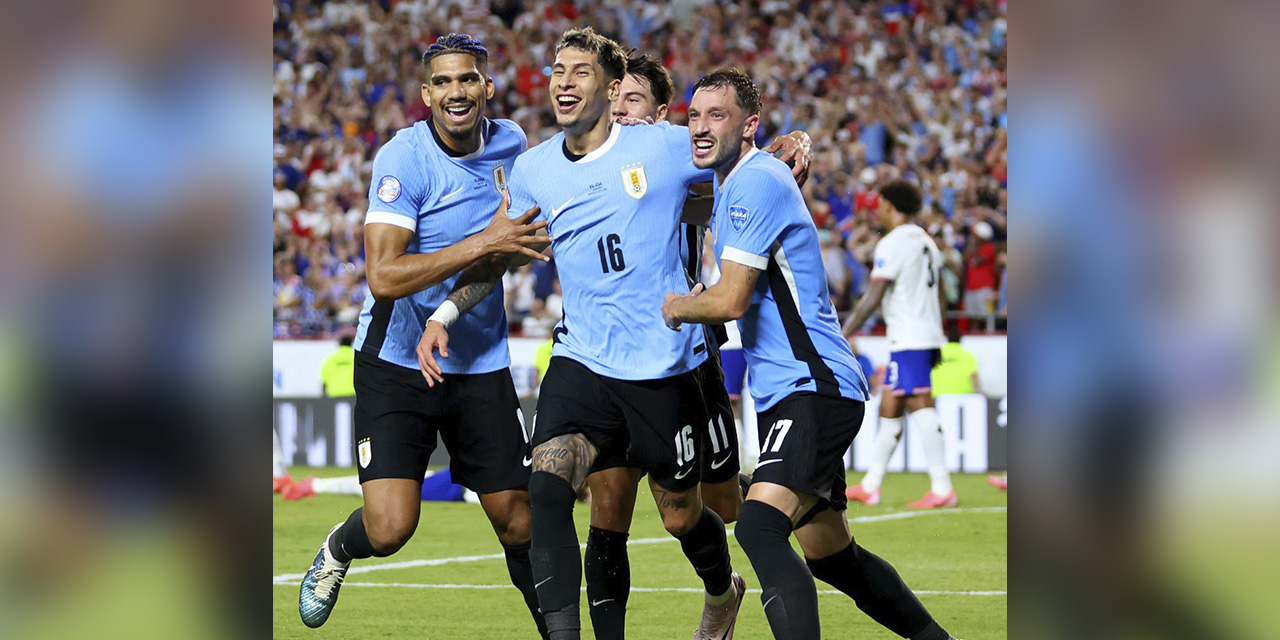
(807,386)
(435,188)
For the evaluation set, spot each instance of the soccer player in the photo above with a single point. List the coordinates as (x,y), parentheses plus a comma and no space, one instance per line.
(435,188)
(808,390)
(618,380)
(906,278)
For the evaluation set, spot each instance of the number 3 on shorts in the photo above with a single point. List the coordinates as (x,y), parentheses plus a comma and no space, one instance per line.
(684,446)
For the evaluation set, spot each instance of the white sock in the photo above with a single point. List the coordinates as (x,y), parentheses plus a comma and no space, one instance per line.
(886,441)
(344,485)
(720,599)
(930,434)
(277,456)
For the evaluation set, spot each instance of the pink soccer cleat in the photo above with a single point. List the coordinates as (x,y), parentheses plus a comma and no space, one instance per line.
(300,490)
(1001,483)
(932,500)
(856,492)
(278,483)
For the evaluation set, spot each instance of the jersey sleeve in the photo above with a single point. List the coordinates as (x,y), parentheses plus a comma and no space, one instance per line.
(752,219)
(680,147)
(888,260)
(398,188)
(518,187)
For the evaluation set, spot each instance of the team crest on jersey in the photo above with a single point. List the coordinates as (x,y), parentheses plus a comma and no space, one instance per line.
(500,177)
(634,181)
(388,189)
(738,216)
(365,449)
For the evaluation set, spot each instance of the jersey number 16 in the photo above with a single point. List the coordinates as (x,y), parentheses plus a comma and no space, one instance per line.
(611,254)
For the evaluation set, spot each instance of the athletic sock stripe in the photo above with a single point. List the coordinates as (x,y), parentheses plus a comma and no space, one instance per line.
(782,283)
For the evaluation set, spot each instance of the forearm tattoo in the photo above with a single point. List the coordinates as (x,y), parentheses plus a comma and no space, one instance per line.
(476,282)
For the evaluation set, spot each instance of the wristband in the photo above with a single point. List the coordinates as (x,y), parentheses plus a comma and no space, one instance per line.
(446,315)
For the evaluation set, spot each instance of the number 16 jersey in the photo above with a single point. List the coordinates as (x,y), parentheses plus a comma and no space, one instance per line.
(614,216)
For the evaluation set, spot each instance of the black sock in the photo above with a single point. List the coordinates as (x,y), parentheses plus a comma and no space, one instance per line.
(351,541)
(608,573)
(521,572)
(557,564)
(790,597)
(708,551)
(878,590)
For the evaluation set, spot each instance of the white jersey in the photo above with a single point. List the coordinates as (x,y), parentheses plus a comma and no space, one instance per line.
(912,262)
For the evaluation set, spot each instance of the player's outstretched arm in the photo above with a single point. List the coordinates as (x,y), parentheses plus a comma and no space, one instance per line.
(393,273)
(867,305)
(795,149)
(727,300)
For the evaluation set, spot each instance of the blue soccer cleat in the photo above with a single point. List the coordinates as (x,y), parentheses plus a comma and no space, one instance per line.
(320,586)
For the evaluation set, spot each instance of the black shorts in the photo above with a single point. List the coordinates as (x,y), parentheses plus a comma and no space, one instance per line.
(651,422)
(803,439)
(719,438)
(397,417)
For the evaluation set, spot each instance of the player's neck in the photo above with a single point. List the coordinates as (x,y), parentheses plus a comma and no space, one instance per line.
(725,170)
(582,142)
(455,147)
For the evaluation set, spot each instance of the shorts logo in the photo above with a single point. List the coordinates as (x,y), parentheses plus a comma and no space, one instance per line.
(365,449)
(738,216)
(388,189)
(500,178)
(634,181)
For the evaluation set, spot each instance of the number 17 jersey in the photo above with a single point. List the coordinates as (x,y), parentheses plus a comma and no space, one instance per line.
(614,216)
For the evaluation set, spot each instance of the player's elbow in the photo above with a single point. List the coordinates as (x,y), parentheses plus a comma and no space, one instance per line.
(737,309)
(382,288)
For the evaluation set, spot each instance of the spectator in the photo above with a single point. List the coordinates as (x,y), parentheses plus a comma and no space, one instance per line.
(337,373)
(957,373)
(980,271)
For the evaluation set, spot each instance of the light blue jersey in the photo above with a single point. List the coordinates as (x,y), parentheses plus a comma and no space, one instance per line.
(614,218)
(790,334)
(442,199)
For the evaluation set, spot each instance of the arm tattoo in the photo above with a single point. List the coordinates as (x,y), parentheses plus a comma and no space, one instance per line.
(476,282)
(569,456)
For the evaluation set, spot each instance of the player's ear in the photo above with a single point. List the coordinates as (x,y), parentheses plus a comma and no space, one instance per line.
(661,114)
(753,123)
(615,89)
(426,95)
(488,88)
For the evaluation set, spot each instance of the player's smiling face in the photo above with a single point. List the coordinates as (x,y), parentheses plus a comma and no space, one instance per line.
(718,127)
(581,91)
(635,100)
(457,91)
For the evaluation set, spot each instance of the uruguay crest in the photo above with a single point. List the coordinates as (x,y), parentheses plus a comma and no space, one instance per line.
(738,216)
(634,181)
(365,449)
(500,177)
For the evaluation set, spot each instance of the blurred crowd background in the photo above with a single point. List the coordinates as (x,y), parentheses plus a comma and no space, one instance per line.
(885,89)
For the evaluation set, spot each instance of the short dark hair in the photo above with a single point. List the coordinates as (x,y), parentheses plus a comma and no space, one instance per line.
(610,54)
(648,67)
(903,195)
(345,340)
(457,43)
(953,332)
(748,95)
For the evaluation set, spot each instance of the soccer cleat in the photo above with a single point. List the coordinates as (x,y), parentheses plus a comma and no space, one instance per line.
(299,490)
(321,584)
(856,492)
(278,483)
(718,620)
(932,500)
(999,482)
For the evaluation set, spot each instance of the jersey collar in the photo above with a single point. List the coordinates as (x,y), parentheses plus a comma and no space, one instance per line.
(614,132)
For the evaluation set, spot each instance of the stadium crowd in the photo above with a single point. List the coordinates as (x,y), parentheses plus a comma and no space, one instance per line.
(885,89)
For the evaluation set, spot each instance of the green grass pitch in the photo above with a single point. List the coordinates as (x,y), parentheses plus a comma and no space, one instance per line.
(955,559)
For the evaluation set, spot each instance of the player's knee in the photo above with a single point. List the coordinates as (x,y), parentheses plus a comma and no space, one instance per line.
(760,527)
(510,520)
(388,534)
(725,506)
(679,521)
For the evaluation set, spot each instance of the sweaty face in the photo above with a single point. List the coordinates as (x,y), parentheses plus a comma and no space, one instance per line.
(581,91)
(717,127)
(457,92)
(635,100)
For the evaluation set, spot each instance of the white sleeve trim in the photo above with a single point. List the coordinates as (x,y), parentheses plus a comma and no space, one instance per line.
(742,257)
(386,217)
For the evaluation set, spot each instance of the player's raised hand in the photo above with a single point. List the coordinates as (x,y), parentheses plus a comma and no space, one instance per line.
(515,236)
(434,337)
(628,120)
(795,149)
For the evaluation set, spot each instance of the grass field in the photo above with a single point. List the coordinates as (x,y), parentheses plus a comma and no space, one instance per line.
(456,584)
